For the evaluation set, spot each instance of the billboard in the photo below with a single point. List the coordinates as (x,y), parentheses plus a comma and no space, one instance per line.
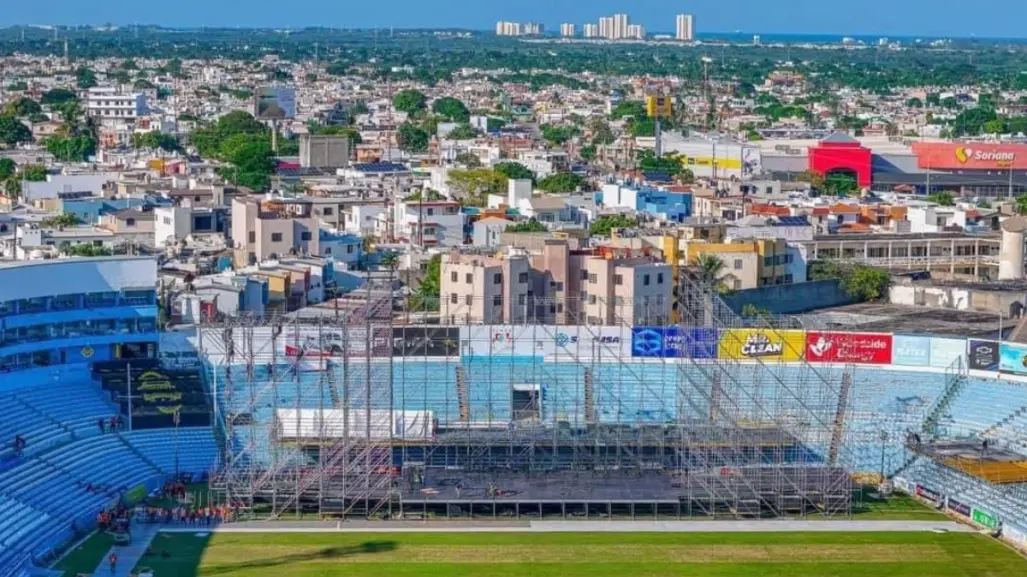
(1012,358)
(983,355)
(1014,535)
(958,507)
(506,340)
(588,342)
(944,352)
(274,103)
(925,493)
(667,342)
(425,341)
(970,155)
(984,518)
(868,348)
(659,106)
(762,344)
(910,351)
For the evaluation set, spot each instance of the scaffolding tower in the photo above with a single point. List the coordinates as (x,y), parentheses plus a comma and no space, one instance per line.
(367,412)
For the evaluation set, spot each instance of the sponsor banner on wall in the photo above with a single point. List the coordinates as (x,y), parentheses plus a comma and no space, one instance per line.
(589,342)
(1014,535)
(928,494)
(909,351)
(425,341)
(832,347)
(291,342)
(958,507)
(944,352)
(666,342)
(983,355)
(762,344)
(984,518)
(507,340)
(1012,358)
(900,483)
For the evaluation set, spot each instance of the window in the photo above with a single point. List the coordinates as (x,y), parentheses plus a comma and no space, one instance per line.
(328,211)
(559,307)
(349,249)
(768,261)
(497,300)
(618,279)
(454,298)
(468,299)
(64,302)
(645,280)
(453,276)
(497,278)
(252,236)
(522,299)
(738,284)
(522,278)
(276,237)
(469,278)
(592,299)
(593,278)
(618,300)
(305,235)
(130,222)
(584,274)
(788,279)
(328,250)
(738,264)
(659,278)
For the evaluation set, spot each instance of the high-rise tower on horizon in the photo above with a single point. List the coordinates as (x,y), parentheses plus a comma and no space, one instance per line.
(684,30)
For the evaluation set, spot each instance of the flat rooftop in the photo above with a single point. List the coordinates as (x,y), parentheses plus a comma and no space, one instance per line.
(889,318)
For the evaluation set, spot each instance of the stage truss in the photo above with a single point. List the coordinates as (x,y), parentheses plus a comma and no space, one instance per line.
(367,413)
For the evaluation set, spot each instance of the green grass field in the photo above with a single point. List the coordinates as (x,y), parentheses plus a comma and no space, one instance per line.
(921,554)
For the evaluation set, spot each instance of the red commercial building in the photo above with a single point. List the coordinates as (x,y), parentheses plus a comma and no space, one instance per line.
(842,153)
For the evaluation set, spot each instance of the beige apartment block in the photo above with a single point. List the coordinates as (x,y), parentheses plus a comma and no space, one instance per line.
(484,289)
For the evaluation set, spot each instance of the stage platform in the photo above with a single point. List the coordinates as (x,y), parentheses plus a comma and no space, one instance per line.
(994,465)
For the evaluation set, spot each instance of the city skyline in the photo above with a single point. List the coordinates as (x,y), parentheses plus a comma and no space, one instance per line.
(949,18)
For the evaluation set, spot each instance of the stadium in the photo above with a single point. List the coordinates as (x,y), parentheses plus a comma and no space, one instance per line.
(363,415)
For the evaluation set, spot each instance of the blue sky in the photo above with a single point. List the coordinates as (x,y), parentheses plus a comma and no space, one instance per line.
(963,18)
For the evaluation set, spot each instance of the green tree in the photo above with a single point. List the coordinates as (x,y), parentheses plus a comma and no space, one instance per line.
(995,126)
(336,130)
(85,78)
(473,185)
(22,107)
(839,184)
(915,103)
(708,269)
(412,138)
(389,260)
(451,108)
(468,159)
(208,139)
(1021,204)
(866,283)
(409,101)
(561,182)
(155,140)
(463,132)
(34,172)
(514,170)
(426,298)
(63,220)
(530,225)
(949,102)
(628,108)
(557,135)
(7,168)
(12,131)
(252,161)
(57,96)
(70,148)
(944,198)
(603,225)
(18,86)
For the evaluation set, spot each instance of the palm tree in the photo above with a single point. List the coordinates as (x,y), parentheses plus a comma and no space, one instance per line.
(1021,204)
(390,260)
(709,267)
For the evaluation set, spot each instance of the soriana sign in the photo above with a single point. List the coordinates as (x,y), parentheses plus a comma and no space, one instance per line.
(865,348)
(970,155)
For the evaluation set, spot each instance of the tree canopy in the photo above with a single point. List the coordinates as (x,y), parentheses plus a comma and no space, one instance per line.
(71,148)
(603,225)
(561,182)
(409,101)
(252,161)
(209,139)
(451,109)
(7,168)
(463,132)
(412,138)
(530,225)
(514,170)
(22,106)
(12,131)
(56,96)
(85,78)
(155,140)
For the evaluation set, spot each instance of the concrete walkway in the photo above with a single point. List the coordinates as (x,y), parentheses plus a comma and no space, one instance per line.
(129,555)
(783,525)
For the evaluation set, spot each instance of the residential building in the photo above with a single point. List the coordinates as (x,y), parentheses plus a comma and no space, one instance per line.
(264,229)
(636,291)
(342,247)
(635,31)
(234,294)
(567,30)
(176,223)
(508,29)
(433,223)
(484,289)
(751,263)
(684,28)
(110,106)
(591,31)
(324,151)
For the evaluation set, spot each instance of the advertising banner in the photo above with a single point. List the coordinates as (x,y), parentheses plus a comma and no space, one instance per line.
(944,352)
(900,484)
(274,103)
(507,340)
(664,342)
(1012,358)
(867,348)
(984,518)
(970,155)
(425,341)
(928,494)
(762,344)
(589,342)
(958,507)
(983,355)
(910,351)
(1014,535)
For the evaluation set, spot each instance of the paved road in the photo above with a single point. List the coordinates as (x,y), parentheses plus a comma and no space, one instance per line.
(129,555)
(769,525)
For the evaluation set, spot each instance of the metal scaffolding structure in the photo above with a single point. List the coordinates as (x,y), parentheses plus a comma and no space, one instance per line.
(353,414)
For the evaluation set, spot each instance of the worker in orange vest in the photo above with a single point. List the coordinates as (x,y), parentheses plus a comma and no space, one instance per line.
(113,560)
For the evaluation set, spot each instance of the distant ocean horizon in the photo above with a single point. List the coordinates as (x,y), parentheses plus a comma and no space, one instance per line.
(771,38)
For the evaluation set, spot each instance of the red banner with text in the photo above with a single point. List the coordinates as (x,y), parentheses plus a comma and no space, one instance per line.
(865,348)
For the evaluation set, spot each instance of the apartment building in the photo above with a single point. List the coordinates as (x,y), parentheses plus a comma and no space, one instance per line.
(264,229)
(684,28)
(567,30)
(110,106)
(752,263)
(484,289)
(636,291)
(433,223)
(176,223)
